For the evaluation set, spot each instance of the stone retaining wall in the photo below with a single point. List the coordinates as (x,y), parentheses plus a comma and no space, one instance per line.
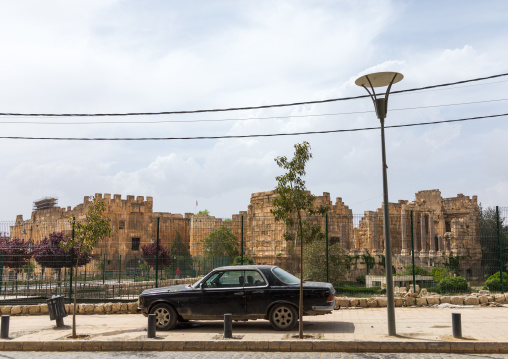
(344,302)
(472,299)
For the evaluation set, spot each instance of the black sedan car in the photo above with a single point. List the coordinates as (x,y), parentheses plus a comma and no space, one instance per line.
(247,292)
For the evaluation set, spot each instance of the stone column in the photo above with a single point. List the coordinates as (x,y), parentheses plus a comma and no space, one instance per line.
(375,235)
(403,224)
(432,252)
(423,229)
(440,243)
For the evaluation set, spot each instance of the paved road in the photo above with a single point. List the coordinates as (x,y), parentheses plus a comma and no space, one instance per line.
(236,355)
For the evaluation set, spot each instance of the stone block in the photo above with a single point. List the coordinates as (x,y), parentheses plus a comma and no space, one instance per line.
(5,309)
(500,298)
(123,307)
(355,302)
(458,300)
(470,300)
(399,302)
(445,300)
(132,307)
(421,302)
(98,309)
(34,309)
(108,307)
(362,302)
(115,308)
(43,308)
(16,310)
(24,309)
(372,302)
(81,308)
(342,302)
(433,300)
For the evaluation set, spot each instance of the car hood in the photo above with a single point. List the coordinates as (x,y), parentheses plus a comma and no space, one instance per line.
(173,288)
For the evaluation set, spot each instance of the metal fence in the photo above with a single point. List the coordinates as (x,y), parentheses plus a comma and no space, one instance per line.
(443,252)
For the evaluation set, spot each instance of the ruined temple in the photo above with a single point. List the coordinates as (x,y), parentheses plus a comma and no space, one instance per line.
(437,228)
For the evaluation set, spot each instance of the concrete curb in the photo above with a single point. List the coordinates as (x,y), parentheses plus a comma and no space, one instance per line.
(265,346)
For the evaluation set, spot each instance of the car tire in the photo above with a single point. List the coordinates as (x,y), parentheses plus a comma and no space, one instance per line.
(165,316)
(283,317)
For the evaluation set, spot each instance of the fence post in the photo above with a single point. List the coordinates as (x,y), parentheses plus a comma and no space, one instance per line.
(413,252)
(72,260)
(104,267)
(241,259)
(119,268)
(157,257)
(327,268)
(499,250)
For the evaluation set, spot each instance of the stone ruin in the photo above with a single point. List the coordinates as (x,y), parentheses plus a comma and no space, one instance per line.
(441,227)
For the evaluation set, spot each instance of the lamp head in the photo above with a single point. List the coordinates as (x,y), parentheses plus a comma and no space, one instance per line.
(379,79)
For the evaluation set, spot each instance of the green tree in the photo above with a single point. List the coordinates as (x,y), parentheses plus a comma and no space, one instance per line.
(221,243)
(182,258)
(293,203)
(489,242)
(313,262)
(204,212)
(87,233)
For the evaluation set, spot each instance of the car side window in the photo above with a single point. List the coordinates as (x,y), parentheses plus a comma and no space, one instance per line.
(254,279)
(226,279)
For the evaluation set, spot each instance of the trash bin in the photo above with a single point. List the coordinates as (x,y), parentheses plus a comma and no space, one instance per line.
(56,309)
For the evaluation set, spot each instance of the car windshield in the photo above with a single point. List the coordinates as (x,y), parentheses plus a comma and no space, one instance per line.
(285,277)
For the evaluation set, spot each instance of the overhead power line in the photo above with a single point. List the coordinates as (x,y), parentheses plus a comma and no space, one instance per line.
(243,108)
(245,119)
(241,136)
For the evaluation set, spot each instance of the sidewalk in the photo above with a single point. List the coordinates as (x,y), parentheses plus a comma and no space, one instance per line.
(484,330)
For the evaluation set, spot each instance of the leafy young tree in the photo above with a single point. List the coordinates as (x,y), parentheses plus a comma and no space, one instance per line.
(16,252)
(87,233)
(293,204)
(221,243)
(313,262)
(204,212)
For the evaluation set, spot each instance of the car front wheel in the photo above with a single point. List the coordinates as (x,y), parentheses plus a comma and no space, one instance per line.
(165,316)
(283,317)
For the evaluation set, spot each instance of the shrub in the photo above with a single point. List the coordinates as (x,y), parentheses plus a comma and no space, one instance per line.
(453,285)
(361,279)
(494,281)
(408,270)
(439,274)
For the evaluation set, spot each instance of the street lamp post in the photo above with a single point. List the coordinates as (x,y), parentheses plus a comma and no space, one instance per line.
(382,79)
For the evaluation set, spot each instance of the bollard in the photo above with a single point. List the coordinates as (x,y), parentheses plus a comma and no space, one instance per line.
(5,327)
(228,326)
(456,325)
(151,325)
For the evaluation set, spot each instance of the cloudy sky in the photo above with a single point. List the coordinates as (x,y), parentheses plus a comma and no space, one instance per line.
(114,56)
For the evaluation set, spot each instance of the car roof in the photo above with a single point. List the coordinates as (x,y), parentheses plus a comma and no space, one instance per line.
(248,266)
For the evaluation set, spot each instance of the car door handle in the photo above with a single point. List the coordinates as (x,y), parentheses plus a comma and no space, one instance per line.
(258,291)
(239,293)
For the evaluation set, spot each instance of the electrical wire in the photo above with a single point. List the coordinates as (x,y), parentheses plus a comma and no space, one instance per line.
(245,108)
(244,119)
(241,136)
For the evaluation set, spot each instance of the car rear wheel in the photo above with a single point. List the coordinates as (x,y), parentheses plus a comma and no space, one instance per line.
(283,317)
(165,316)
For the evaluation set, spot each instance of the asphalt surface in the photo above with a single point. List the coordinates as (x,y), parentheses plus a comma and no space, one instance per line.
(419,330)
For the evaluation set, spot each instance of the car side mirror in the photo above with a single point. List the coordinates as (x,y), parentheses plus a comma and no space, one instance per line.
(202,286)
